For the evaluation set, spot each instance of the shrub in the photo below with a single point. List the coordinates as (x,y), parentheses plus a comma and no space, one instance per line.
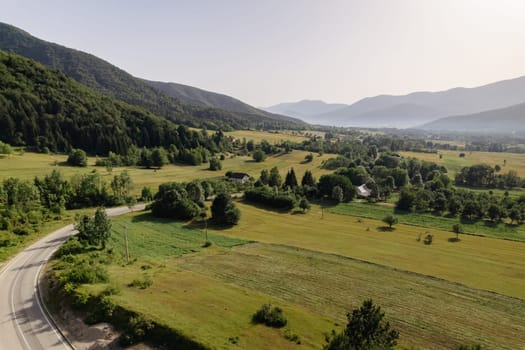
(294,338)
(259,156)
(77,157)
(272,317)
(85,273)
(266,196)
(146,282)
(215,164)
(71,247)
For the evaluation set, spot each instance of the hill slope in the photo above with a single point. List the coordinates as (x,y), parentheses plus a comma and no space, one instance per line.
(204,98)
(112,81)
(40,107)
(505,120)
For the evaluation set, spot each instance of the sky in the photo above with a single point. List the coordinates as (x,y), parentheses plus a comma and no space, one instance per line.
(272,51)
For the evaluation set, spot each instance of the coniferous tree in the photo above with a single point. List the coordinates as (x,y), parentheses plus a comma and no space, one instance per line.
(290,179)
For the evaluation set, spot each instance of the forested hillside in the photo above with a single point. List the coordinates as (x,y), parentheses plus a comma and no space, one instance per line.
(40,107)
(112,81)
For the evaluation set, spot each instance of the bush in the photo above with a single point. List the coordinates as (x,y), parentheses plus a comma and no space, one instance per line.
(259,156)
(77,157)
(72,246)
(270,317)
(215,164)
(85,273)
(266,196)
(142,284)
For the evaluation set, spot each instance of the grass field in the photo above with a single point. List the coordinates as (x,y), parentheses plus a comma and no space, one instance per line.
(271,137)
(453,163)
(479,262)
(210,293)
(29,165)
(427,220)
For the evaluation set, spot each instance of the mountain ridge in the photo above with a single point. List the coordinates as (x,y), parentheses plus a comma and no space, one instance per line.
(101,75)
(436,104)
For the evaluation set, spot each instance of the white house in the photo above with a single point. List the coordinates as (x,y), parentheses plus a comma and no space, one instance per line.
(363,191)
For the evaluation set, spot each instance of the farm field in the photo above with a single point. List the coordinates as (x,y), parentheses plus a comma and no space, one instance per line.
(427,220)
(479,262)
(212,292)
(454,163)
(29,165)
(271,137)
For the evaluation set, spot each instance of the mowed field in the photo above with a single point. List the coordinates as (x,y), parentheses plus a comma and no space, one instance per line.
(453,162)
(210,293)
(479,262)
(28,165)
(271,137)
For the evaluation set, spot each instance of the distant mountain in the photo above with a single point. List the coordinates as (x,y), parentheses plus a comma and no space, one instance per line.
(505,120)
(432,105)
(306,110)
(410,110)
(112,81)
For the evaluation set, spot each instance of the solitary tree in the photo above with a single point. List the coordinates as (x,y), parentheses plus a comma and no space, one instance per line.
(259,155)
(224,211)
(215,164)
(366,329)
(390,220)
(159,157)
(5,148)
(304,204)
(77,157)
(457,229)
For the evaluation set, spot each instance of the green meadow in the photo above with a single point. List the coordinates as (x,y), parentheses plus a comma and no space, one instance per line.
(317,271)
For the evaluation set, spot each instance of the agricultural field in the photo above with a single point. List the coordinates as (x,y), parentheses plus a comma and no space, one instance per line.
(502,230)
(271,137)
(479,262)
(28,165)
(453,162)
(212,292)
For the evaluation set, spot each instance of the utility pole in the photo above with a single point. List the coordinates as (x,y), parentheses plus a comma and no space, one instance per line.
(206,228)
(126,239)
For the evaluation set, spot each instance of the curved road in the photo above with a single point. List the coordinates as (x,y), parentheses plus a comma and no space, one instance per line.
(24,324)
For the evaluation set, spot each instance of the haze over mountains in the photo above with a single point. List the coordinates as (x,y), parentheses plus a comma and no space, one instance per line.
(176,102)
(420,108)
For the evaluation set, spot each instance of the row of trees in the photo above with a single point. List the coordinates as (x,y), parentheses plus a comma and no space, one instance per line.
(25,204)
(485,176)
(467,204)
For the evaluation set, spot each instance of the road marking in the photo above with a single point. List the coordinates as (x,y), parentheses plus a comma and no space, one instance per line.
(60,336)
(18,329)
(68,231)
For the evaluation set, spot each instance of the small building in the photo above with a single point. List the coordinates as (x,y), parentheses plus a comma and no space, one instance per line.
(239,177)
(363,191)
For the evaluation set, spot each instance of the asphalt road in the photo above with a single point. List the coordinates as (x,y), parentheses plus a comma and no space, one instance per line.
(24,324)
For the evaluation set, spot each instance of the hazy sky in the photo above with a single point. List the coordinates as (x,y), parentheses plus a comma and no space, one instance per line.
(270,51)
